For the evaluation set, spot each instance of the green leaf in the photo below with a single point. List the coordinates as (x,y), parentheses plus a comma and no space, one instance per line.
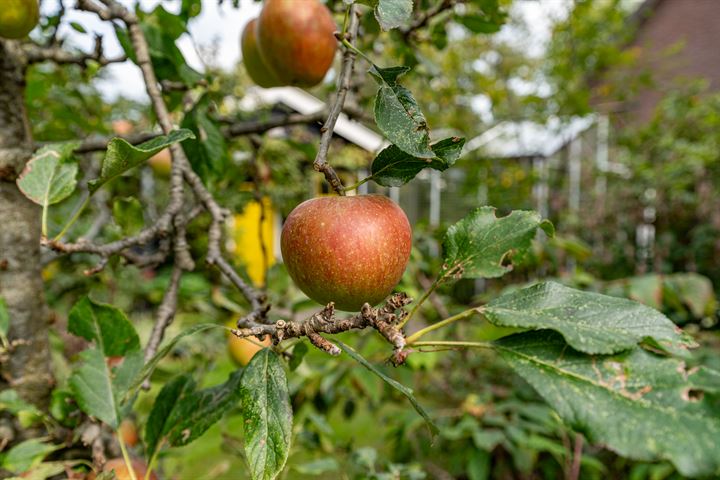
(91,385)
(393,383)
(149,367)
(197,412)
(26,413)
(47,470)
(393,13)
(128,214)
(398,115)
(77,27)
(268,415)
(4,319)
(50,175)
(640,405)
(479,23)
(298,353)
(169,397)
(394,168)
(121,155)
(477,245)
(27,455)
(208,152)
(105,325)
(589,322)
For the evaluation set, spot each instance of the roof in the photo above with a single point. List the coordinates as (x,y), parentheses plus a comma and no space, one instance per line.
(306,104)
(528,139)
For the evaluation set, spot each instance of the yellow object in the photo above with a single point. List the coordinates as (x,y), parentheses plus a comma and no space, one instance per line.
(246,231)
(18,17)
(242,350)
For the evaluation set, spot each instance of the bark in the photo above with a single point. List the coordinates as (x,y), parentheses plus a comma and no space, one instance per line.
(28,368)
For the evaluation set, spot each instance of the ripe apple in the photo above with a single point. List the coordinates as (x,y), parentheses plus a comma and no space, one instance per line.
(296,40)
(348,250)
(123,473)
(243,350)
(18,17)
(254,64)
(161,163)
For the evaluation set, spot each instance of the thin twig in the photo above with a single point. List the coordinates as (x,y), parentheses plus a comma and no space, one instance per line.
(165,313)
(343,84)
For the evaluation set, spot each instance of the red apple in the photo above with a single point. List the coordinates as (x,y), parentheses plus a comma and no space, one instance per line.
(296,39)
(254,64)
(122,472)
(347,250)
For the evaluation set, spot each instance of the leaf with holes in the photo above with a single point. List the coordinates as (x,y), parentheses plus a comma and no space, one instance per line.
(640,405)
(121,155)
(477,245)
(589,322)
(394,168)
(398,114)
(50,175)
(268,415)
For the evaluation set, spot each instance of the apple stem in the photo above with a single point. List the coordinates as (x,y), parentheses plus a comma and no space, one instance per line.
(126,456)
(74,218)
(356,185)
(441,343)
(435,326)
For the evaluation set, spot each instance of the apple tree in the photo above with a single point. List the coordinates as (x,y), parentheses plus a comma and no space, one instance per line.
(617,372)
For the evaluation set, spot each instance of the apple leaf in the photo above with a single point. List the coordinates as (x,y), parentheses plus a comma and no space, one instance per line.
(640,405)
(50,175)
(394,168)
(121,155)
(208,152)
(181,413)
(172,393)
(27,455)
(398,115)
(590,322)
(91,385)
(104,324)
(393,383)
(268,415)
(393,13)
(478,245)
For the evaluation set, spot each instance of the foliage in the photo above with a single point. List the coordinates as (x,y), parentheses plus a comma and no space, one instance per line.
(528,370)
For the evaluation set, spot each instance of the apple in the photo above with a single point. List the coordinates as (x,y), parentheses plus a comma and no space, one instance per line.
(18,17)
(347,250)
(254,64)
(122,127)
(243,350)
(161,163)
(296,39)
(123,473)
(128,431)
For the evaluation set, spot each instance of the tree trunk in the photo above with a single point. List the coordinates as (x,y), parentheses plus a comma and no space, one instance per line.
(27,369)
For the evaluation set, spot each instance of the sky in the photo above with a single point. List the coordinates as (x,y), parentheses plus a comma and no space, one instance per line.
(222,26)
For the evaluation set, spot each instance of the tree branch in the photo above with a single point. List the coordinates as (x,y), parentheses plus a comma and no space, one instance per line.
(56,54)
(343,84)
(383,319)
